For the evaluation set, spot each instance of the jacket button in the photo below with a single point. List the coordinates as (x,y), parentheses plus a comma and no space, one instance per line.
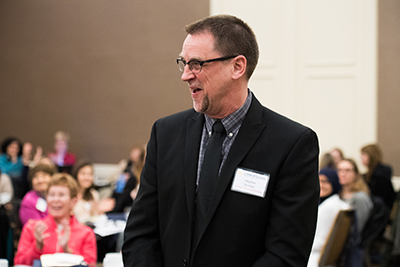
(185,263)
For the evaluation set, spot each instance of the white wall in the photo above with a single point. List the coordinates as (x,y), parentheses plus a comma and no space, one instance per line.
(317,64)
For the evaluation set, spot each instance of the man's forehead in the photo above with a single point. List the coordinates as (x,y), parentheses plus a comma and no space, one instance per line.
(198,46)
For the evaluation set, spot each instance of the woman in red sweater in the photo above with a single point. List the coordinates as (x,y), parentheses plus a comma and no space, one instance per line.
(59,231)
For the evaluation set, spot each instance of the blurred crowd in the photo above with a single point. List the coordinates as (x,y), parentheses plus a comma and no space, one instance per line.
(373,239)
(49,203)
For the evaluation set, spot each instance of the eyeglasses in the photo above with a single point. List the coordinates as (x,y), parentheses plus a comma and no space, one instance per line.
(196,65)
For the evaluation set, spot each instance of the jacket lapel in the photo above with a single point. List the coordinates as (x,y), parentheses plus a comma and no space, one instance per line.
(248,134)
(193,139)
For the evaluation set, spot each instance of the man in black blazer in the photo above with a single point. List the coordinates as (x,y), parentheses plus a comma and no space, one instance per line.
(263,209)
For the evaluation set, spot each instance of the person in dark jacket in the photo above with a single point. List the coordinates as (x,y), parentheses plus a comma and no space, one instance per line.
(378,176)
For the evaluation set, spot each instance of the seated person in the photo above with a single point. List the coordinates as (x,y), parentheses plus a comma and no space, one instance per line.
(63,159)
(59,231)
(337,155)
(125,200)
(11,160)
(329,206)
(355,191)
(129,179)
(34,205)
(89,203)
(128,168)
(14,161)
(327,161)
(378,175)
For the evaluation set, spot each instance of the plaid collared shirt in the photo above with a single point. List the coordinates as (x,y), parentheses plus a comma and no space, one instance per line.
(232,124)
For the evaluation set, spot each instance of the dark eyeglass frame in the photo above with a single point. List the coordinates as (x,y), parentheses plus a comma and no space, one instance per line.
(192,63)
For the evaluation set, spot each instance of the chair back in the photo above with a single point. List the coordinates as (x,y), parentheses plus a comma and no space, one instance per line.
(337,238)
(377,222)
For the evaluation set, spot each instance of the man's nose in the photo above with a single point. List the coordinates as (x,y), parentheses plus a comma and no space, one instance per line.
(187,74)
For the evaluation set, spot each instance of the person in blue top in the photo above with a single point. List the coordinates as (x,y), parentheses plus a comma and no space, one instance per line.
(14,161)
(11,157)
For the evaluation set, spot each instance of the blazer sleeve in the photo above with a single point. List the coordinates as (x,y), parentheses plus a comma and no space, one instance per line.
(294,205)
(142,246)
(89,247)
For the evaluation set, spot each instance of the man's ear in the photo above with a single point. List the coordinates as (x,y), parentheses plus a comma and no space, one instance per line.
(239,67)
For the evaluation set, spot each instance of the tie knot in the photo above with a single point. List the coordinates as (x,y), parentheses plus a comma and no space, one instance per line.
(218,127)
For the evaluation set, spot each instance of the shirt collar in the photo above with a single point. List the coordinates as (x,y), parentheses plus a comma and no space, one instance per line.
(233,120)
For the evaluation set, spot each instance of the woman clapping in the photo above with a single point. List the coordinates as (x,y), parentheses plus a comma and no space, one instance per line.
(59,231)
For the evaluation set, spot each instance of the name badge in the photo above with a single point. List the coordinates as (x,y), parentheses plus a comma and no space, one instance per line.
(41,205)
(250,182)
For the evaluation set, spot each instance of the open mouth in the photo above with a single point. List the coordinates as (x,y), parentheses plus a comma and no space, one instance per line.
(194,89)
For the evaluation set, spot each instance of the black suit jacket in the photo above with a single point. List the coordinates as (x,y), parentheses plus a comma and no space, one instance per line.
(242,230)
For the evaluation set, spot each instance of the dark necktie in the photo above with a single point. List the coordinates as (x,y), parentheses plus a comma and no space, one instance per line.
(209,173)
